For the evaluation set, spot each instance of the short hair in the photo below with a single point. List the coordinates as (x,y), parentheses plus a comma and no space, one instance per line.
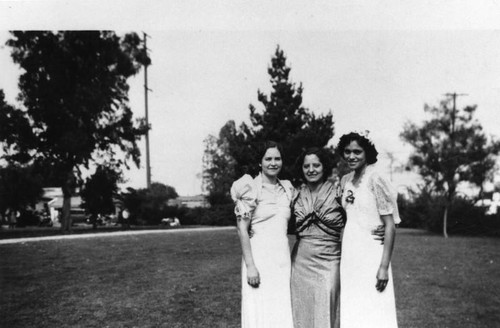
(369,148)
(268,145)
(323,158)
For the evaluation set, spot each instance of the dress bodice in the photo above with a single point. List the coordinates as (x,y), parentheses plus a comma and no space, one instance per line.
(272,201)
(371,197)
(318,215)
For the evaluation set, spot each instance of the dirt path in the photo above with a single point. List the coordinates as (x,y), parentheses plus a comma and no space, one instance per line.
(108,234)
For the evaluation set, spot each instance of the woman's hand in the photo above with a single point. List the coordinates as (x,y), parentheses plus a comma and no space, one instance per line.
(253,277)
(379,233)
(382,278)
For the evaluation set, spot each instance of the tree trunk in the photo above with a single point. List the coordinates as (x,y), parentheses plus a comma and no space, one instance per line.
(67,190)
(452,187)
(445,221)
(66,213)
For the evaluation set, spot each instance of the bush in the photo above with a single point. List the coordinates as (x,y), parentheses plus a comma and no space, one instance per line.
(421,210)
(28,218)
(153,216)
(191,216)
(217,215)
(465,218)
(424,210)
(220,215)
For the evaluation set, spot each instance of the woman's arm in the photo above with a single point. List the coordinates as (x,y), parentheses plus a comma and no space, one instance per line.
(389,238)
(243,225)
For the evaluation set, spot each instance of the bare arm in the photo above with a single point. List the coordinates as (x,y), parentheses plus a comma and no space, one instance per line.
(243,225)
(389,238)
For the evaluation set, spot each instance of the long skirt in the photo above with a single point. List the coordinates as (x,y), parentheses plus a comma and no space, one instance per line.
(269,305)
(315,282)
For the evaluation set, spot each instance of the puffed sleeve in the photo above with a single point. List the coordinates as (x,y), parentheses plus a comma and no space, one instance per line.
(386,197)
(244,195)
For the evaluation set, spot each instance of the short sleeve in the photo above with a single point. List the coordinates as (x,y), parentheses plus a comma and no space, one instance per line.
(244,195)
(385,196)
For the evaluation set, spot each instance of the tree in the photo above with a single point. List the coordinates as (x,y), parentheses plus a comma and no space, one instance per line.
(450,147)
(100,190)
(282,119)
(148,204)
(75,96)
(158,194)
(219,166)
(19,187)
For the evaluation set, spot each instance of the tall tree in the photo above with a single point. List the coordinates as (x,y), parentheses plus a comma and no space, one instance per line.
(450,147)
(282,118)
(75,96)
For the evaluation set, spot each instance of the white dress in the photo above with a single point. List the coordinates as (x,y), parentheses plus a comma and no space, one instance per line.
(361,305)
(269,305)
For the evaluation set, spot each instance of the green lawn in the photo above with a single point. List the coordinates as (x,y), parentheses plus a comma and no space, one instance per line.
(192,279)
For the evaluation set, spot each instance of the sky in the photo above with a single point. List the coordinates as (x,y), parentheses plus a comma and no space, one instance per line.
(374,66)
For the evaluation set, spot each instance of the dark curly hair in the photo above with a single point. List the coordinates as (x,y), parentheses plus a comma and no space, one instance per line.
(369,148)
(323,158)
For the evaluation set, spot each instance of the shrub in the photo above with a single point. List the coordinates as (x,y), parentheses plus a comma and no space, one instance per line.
(28,218)
(465,218)
(217,215)
(425,210)
(421,210)
(191,216)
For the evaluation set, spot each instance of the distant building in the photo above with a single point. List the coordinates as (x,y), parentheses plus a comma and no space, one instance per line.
(189,201)
(52,200)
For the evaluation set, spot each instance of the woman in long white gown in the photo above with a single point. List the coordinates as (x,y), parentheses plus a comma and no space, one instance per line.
(262,212)
(367,293)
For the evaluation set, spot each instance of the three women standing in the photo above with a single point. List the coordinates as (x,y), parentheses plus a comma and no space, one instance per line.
(316,255)
(263,211)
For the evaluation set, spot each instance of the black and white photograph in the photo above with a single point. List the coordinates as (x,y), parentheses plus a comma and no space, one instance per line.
(253,164)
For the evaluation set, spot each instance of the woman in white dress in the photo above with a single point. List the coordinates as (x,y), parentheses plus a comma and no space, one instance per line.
(262,212)
(367,293)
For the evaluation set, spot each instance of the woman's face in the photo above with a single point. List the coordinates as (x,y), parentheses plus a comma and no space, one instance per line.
(355,156)
(271,163)
(312,169)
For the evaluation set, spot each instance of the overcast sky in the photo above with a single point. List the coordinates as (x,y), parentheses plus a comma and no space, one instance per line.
(374,66)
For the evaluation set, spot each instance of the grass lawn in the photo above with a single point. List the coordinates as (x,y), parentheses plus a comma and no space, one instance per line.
(192,279)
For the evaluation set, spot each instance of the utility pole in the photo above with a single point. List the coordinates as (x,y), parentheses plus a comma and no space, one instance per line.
(453,113)
(146,90)
(451,188)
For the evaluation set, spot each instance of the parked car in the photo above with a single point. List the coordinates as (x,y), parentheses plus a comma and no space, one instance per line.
(170,222)
(96,219)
